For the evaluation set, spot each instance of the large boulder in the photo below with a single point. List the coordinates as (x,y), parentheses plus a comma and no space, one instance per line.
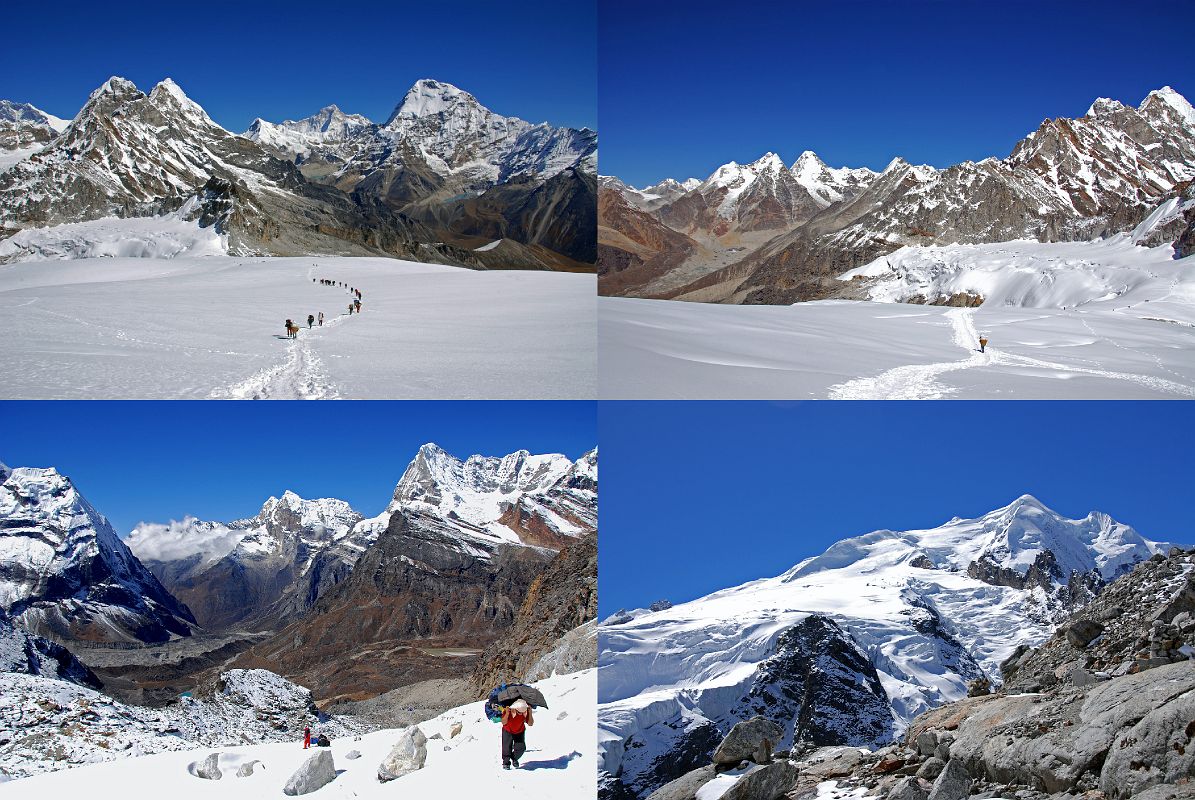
(751,739)
(314,773)
(953,784)
(246,769)
(1158,749)
(208,769)
(408,755)
(764,783)
(1082,632)
(685,787)
(907,788)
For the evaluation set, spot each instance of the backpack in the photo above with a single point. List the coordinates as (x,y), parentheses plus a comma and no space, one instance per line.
(493,711)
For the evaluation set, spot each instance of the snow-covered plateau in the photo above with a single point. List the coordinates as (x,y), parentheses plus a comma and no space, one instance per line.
(197,326)
(559,763)
(1106,319)
(847,647)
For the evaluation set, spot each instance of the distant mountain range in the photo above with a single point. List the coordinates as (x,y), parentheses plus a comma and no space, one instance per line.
(769,233)
(443,180)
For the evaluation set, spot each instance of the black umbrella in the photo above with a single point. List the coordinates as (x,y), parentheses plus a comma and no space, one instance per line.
(528,693)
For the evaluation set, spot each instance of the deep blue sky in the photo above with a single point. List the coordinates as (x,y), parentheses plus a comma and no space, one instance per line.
(698,496)
(528,58)
(687,85)
(156,461)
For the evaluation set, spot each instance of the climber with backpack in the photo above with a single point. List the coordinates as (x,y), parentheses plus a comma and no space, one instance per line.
(511,706)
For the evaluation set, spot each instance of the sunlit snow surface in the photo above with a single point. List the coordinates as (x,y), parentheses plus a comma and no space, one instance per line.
(212,327)
(1100,320)
(560,761)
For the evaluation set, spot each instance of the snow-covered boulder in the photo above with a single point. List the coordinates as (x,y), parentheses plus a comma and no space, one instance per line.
(208,769)
(408,755)
(315,773)
(246,769)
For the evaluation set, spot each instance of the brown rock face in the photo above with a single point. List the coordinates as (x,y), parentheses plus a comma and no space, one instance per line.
(559,600)
(634,247)
(412,602)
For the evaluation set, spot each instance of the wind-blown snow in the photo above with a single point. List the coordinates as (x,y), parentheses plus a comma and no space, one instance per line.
(213,327)
(560,761)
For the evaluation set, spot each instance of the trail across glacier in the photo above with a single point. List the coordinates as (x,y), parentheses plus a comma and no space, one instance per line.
(211,327)
(919,381)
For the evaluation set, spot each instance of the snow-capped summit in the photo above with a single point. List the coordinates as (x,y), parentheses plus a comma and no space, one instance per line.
(65,573)
(480,490)
(892,622)
(1174,100)
(293,138)
(427,97)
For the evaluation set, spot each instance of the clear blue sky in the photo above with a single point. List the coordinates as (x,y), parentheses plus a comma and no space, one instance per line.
(687,85)
(528,58)
(701,496)
(156,461)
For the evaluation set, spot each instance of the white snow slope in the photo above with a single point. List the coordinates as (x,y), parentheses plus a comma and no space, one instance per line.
(659,672)
(1080,320)
(168,236)
(213,328)
(560,762)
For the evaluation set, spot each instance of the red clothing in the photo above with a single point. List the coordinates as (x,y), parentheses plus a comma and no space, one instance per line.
(515,722)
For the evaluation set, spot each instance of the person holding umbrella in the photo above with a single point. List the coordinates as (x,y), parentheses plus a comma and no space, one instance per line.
(516,718)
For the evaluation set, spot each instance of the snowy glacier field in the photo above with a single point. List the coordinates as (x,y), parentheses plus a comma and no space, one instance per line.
(1086,320)
(212,326)
(560,761)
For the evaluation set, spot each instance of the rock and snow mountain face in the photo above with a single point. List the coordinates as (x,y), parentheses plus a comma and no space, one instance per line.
(65,574)
(22,125)
(264,572)
(877,630)
(48,725)
(463,543)
(295,139)
(130,154)
(260,572)
(520,498)
(1071,179)
(445,159)
(26,653)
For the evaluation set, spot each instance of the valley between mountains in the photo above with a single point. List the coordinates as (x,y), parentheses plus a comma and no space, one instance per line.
(239,633)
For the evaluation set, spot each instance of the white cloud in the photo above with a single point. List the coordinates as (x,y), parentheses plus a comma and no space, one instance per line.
(174,541)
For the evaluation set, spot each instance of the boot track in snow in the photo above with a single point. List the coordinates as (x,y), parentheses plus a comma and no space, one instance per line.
(919,381)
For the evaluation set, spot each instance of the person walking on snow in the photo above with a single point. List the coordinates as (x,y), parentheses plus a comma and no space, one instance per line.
(358,305)
(350,309)
(983,343)
(321,319)
(310,321)
(306,738)
(516,718)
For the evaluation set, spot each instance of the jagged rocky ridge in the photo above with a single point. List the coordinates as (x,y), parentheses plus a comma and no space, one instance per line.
(1069,180)
(131,154)
(891,623)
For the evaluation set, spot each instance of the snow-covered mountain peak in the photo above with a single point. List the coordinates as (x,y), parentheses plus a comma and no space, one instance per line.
(64,571)
(1104,105)
(115,86)
(1172,99)
(429,97)
(807,162)
(25,113)
(4,472)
